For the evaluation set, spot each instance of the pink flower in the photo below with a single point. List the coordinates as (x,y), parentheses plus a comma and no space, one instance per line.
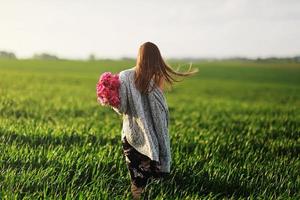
(108,89)
(114,101)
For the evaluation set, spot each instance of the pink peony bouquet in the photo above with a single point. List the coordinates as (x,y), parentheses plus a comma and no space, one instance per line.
(108,89)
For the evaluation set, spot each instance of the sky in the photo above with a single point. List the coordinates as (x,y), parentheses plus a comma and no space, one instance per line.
(180,28)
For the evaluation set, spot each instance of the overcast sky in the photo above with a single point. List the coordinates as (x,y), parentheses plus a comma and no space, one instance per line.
(180,28)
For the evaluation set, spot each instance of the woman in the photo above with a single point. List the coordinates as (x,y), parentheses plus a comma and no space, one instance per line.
(145,137)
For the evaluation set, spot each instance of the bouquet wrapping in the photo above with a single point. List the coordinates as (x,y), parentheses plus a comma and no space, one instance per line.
(108,89)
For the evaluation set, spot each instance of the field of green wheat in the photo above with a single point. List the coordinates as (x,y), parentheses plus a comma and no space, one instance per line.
(234,130)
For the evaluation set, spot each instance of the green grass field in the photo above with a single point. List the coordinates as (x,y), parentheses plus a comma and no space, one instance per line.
(234,129)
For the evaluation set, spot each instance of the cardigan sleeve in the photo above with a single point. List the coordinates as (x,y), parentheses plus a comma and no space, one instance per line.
(122,108)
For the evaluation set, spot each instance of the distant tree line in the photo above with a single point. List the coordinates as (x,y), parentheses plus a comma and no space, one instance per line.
(41,56)
(7,55)
(280,60)
(295,59)
(92,57)
(45,56)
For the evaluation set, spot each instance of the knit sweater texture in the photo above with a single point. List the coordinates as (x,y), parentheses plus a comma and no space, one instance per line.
(145,120)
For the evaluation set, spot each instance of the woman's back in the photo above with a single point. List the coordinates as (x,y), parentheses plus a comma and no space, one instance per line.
(145,120)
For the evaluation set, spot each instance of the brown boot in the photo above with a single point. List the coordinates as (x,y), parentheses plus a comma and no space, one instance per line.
(136,192)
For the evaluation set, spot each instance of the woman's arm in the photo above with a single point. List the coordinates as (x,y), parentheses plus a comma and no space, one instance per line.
(122,108)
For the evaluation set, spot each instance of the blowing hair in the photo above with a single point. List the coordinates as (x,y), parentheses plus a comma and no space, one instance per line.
(151,66)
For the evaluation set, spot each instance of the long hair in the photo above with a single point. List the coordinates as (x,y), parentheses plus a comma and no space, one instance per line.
(151,66)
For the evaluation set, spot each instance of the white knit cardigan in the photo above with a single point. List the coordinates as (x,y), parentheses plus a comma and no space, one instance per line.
(145,120)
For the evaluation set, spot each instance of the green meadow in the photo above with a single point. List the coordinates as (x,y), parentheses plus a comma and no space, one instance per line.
(234,130)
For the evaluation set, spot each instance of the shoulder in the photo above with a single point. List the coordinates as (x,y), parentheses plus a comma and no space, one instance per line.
(126,73)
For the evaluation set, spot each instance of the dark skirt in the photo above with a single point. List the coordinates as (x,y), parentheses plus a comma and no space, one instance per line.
(140,167)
